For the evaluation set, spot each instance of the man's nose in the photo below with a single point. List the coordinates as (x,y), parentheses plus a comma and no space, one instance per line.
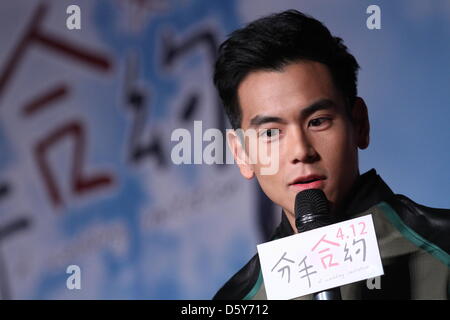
(301,148)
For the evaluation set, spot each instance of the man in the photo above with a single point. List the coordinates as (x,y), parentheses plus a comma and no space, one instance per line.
(289,79)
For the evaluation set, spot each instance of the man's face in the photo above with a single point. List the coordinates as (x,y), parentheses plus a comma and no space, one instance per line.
(316,139)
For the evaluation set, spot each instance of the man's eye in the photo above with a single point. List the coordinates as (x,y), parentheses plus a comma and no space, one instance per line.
(318,122)
(269,133)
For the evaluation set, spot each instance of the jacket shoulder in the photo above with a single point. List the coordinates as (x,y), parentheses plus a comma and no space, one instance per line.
(431,224)
(241,283)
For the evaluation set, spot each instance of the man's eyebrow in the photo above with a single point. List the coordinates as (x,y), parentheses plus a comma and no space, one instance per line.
(322,104)
(258,120)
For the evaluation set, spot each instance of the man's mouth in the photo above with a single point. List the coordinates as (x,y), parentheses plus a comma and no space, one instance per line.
(307,179)
(308,182)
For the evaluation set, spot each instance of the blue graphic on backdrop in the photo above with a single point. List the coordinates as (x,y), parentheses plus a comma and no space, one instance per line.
(154,54)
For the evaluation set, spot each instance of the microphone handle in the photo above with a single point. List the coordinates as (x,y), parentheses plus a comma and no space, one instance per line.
(330,294)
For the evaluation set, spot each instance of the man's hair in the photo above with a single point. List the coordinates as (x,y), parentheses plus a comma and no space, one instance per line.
(272,42)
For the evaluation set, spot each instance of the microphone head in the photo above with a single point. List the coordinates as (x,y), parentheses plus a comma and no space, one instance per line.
(311,201)
(311,210)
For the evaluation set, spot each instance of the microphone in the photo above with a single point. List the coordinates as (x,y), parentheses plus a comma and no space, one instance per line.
(311,212)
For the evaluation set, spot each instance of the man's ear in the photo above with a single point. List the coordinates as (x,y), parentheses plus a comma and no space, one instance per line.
(239,154)
(361,123)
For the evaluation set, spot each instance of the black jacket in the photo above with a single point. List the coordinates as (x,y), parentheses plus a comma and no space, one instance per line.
(414,243)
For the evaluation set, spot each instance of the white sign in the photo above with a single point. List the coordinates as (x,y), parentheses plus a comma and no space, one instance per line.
(320,259)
